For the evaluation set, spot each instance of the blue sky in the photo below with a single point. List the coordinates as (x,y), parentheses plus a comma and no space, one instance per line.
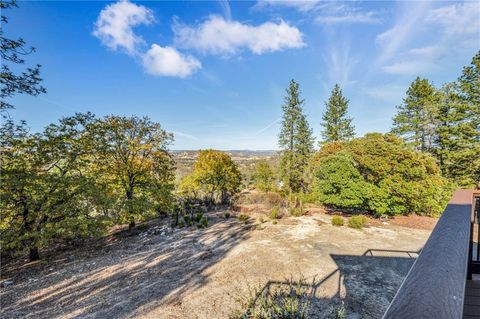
(214,73)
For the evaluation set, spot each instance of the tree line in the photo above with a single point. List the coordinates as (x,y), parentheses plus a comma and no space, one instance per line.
(433,147)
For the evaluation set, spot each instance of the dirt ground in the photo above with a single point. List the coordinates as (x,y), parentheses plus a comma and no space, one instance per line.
(187,273)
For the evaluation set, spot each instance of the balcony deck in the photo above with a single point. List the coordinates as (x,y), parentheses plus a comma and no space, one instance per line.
(471,307)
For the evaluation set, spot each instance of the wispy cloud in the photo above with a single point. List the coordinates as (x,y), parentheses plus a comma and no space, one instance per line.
(350,18)
(268,126)
(300,5)
(455,27)
(227,11)
(219,36)
(184,135)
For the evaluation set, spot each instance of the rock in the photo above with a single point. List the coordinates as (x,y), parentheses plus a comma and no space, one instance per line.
(6,283)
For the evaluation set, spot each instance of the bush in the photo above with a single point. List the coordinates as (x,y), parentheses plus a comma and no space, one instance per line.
(243,218)
(275,213)
(198,217)
(285,300)
(379,174)
(261,220)
(296,211)
(337,221)
(203,222)
(226,215)
(357,222)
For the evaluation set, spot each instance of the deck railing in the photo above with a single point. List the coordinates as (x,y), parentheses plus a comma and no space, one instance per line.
(435,285)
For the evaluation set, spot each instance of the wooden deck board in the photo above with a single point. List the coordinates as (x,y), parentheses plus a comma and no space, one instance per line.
(471,308)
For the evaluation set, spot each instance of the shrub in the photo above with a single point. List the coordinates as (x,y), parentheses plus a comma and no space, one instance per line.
(275,213)
(337,221)
(357,222)
(181,224)
(226,215)
(261,220)
(296,211)
(274,222)
(341,312)
(203,222)
(285,300)
(198,217)
(243,218)
(380,174)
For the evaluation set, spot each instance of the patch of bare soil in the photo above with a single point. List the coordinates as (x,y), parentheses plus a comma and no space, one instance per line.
(189,273)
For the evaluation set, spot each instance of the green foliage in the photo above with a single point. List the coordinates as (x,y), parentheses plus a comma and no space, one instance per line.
(44,193)
(296,211)
(12,52)
(337,221)
(357,222)
(275,212)
(457,140)
(263,177)
(341,312)
(243,218)
(198,217)
(133,161)
(378,173)
(295,140)
(226,215)
(203,222)
(288,300)
(336,125)
(415,119)
(216,176)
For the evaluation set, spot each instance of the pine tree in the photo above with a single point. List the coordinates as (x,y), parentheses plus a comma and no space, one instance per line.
(295,140)
(467,155)
(415,119)
(337,126)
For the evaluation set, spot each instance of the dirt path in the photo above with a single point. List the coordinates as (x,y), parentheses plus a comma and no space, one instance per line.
(207,273)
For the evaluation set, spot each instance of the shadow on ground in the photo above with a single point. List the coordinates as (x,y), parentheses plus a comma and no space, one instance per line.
(365,284)
(126,284)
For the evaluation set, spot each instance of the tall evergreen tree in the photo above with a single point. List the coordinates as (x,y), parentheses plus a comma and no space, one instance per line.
(466,168)
(415,118)
(295,140)
(337,126)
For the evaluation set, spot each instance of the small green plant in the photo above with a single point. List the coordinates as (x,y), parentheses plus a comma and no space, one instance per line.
(198,217)
(286,300)
(341,312)
(186,218)
(203,222)
(296,211)
(357,222)
(274,222)
(337,221)
(261,220)
(226,215)
(275,213)
(181,224)
(243,218)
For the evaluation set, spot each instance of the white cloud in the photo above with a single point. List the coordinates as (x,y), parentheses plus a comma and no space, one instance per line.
(167,61)
(395,38)
(219,36)
(227,11)
(115,22)
(350,18)
(461,18)
(409,67)
(300,5)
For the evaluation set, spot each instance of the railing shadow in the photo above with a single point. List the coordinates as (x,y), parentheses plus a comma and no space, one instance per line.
(365,284)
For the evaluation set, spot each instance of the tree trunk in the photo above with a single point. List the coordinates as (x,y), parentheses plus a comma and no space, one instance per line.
(33,254)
